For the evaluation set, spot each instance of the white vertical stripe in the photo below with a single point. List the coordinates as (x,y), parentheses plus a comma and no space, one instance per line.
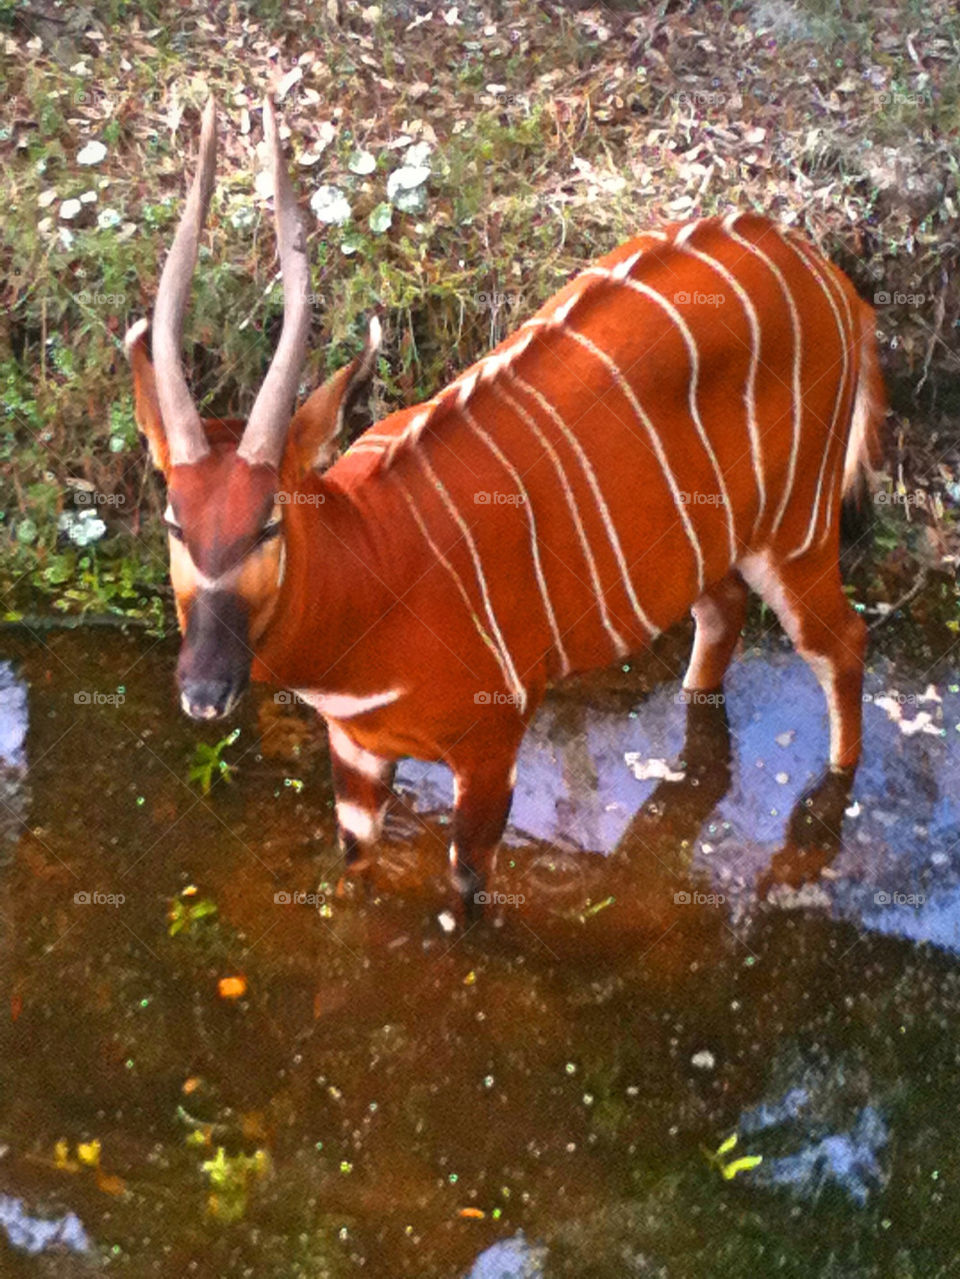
(458,583)
(514,684)
(728,225)
(810,260)
(750,391)
(654,295)
(621,646)
(642,417)
(590,474)
(514,474)
(591,477)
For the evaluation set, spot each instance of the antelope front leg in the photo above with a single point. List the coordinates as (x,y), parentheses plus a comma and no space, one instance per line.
(362,787)
(481,804)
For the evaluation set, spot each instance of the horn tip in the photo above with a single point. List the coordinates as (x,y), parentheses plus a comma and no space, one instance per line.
(133,335)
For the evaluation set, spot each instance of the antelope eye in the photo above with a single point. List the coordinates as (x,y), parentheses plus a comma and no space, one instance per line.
(269,531)
(173,528)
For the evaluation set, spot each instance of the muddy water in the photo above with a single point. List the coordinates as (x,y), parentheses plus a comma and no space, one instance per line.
(694,937)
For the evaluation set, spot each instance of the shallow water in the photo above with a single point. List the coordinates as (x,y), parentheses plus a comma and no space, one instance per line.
(684,948)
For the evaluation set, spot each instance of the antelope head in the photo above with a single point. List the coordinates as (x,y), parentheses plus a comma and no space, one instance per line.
(224,522)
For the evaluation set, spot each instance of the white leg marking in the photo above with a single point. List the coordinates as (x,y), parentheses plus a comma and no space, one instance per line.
(728,225)
(514,474)
(760,574)
(354,756)
(712,628)
(826,674)
(363,825)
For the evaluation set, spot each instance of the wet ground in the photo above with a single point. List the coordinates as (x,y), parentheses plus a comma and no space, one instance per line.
(684,950)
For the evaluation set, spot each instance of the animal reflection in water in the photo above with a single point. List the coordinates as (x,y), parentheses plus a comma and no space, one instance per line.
(647,865)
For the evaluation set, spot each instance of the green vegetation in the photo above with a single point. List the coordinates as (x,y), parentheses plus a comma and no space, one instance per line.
(208,763)
(546,133)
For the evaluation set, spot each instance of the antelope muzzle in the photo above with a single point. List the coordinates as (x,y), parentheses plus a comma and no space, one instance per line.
(214,665)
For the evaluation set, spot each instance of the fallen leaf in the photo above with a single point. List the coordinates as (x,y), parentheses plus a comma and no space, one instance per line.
(231,987)
(93,153)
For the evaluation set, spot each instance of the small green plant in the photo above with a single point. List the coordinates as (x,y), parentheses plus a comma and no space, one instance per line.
(230,1178)
(729,1170)
(184,912)
(208,762)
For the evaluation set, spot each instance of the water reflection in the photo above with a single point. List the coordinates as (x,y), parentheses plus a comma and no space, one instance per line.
(733,795)
(552,1076)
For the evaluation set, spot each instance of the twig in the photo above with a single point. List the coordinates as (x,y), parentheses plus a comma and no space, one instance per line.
(904,599)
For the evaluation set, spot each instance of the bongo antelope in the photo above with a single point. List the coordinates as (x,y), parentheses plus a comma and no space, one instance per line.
(679,423)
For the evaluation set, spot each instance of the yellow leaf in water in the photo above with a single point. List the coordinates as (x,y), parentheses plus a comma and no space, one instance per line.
(61,1156)
(728,1144)
(88,1152)
(741,1165)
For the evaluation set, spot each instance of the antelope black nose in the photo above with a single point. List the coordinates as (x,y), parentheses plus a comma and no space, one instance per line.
(214,663)
(207,698)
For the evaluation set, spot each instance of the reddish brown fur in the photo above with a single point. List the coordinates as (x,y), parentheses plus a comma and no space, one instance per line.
(365,606)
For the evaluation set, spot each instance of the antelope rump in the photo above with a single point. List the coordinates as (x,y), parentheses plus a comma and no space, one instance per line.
(678,424)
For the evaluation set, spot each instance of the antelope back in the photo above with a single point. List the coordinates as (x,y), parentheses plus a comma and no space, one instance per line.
(680,406)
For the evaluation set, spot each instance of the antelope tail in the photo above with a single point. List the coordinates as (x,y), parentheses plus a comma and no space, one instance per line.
(869,410)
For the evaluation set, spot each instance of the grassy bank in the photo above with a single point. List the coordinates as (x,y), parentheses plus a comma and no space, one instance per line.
(549,132)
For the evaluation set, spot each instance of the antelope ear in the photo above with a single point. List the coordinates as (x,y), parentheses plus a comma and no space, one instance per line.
(311,440)
(146,404)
